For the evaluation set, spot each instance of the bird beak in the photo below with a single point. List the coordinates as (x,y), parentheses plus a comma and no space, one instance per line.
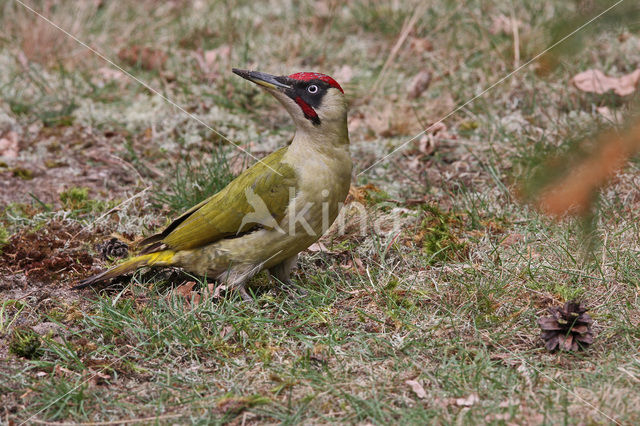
(266,80)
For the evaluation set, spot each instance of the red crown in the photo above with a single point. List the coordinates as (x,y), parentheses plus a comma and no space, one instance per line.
(306,76)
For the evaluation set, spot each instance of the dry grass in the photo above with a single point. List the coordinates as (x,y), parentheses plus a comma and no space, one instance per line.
(447,301)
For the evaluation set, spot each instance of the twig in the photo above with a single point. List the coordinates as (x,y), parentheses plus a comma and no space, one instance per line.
(112,422)
(516,38)
(404,33)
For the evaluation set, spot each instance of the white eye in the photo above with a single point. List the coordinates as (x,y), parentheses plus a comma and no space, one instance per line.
(313,89)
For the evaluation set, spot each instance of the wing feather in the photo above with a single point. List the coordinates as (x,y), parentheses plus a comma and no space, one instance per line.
(222,214)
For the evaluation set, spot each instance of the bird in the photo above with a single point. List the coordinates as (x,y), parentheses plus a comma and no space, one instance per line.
(273,210)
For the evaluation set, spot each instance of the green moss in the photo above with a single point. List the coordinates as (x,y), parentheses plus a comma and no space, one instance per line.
(25,343)
(77,199)
(19,210)
(4,237)
(233,404)
(22,173)
(568,291)
(74,198)
(440,230)
(19,108)
(468,126)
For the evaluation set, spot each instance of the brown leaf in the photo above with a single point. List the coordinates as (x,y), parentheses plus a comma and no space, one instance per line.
(417,388)
(359,193)
(468,401)
(211,61)
(427,144)
(218,290)
(212,58)
(612,116)
(595,81)
(185,289)
(391,120)
(511,239)
(145,57)
(418,84)
(356,266)
(420,45)
(9,145)
(195,298)
(319,247)
(97,378)
(108,73)
(226,330)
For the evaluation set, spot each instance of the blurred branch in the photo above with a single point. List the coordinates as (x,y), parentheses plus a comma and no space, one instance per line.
(569,184)
(575,192)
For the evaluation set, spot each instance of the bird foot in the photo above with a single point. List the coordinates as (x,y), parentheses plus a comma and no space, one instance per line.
(293,290)
(245,296)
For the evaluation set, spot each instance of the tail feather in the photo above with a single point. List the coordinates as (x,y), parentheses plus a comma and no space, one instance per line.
(161,258)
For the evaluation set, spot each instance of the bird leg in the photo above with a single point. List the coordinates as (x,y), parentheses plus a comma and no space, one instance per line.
(282,274)
(242,288)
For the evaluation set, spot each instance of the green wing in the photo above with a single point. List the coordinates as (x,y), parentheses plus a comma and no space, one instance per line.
(229,212)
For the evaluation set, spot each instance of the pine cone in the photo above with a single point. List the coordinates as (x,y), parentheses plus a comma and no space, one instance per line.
(568,328)
(113,249)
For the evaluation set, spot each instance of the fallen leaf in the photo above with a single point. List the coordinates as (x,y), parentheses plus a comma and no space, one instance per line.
(319,248)
(511,239)
(212,58)
(468,401)
(145,57)
(111,74)
(496,417)
(427,144)
(356,266)
(61,371)
(612,116)
(9,145)
(226,330)
(97,378)
(219,289)
(595,81)
(417,388)
(439,129)
(185,289)
(419,45)
(503,24)
(359,193)
(418,84)
(195,298)
(391,120)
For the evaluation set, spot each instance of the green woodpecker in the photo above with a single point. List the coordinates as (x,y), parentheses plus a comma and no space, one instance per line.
(273,210)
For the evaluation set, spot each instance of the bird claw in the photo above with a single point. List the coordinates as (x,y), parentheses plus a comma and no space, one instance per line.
(293,290)
(245,295)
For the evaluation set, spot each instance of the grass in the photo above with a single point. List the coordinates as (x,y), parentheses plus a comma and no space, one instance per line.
(193,182)
(448,298)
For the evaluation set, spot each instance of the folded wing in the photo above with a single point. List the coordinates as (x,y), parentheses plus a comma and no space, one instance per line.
(258,198)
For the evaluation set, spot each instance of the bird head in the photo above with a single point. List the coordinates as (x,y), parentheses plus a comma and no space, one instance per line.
(315,101)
